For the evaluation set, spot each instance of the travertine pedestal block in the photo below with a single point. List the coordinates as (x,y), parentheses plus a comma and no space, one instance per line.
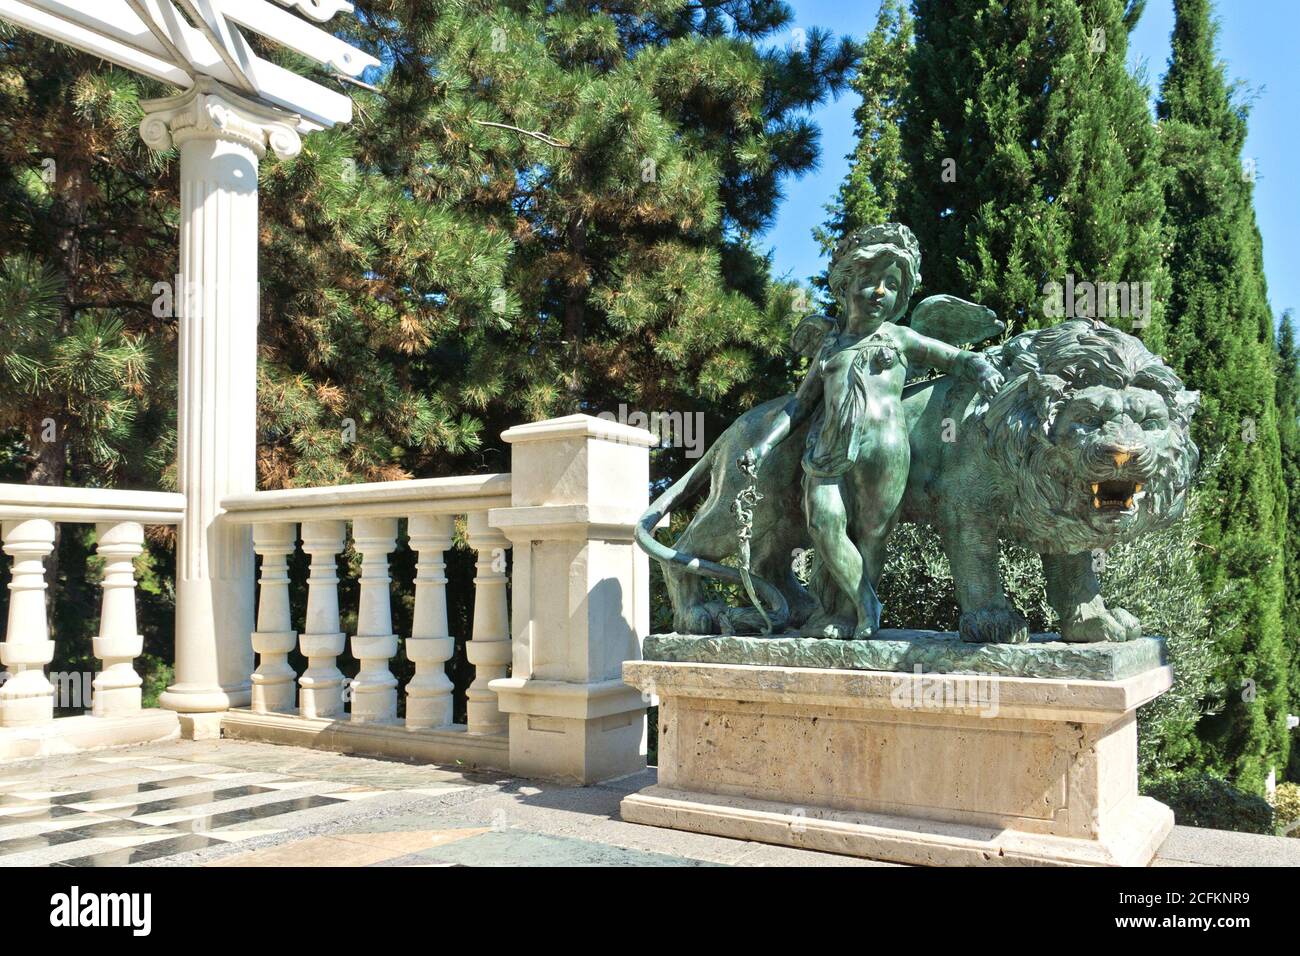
(913,767)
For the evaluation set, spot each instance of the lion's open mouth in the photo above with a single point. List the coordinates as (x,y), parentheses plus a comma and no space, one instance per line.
(1116,496)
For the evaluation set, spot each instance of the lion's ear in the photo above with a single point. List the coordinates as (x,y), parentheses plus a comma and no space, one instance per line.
(1185,405)
(1046,392)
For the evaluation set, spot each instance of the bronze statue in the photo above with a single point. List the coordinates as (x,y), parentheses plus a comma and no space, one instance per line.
(998,446)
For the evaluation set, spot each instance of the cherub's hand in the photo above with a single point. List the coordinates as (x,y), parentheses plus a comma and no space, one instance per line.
(987,378)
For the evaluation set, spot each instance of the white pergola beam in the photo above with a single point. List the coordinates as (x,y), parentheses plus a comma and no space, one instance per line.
(152,37)
(93,41)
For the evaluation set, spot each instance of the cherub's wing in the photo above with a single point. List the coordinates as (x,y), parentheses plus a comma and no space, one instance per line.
(809,335)
(955,321)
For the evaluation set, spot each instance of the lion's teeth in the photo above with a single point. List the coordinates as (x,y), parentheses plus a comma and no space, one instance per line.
(1128,503)
(1137,487)
(1096,502)
(1095,487)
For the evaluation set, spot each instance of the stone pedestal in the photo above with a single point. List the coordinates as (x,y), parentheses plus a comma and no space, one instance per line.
(908,766)
(580,600)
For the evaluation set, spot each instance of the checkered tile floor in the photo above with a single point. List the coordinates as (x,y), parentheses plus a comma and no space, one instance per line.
(224,803)
(131,809)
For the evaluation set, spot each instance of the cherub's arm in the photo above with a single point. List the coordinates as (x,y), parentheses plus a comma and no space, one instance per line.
(795,412)
(923,350)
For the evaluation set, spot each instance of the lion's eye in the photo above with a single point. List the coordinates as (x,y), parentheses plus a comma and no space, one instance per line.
(1151,424)
(1094,421)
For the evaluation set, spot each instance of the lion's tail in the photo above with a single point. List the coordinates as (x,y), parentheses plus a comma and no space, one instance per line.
(683,488)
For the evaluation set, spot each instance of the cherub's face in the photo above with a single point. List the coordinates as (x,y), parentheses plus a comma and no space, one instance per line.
(874,289)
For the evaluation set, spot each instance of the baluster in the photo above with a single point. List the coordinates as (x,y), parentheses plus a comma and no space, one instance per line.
(117,686)
(489,646)
(273,681)
(428,693)
(322,640)
(27,696)
(374,691)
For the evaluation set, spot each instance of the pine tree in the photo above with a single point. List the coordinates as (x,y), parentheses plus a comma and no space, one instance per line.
(877,168)
(1220,340)
(1031,156)
(85,222)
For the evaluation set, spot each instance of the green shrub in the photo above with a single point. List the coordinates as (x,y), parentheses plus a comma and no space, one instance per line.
(1286,805)
(1202,800)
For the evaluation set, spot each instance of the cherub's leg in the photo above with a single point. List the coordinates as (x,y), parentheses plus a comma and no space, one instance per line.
(876,497)
(827,520)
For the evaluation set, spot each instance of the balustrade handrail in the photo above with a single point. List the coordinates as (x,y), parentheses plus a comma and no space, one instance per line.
(377,499)
(72,505)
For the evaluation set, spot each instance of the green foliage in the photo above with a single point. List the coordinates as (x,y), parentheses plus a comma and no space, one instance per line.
(1288,427)
(1203,800)
(1220,340)
(1050,157)
(1286,805)
(877,169)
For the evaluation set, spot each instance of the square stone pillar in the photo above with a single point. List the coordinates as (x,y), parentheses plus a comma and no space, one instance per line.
(581,597)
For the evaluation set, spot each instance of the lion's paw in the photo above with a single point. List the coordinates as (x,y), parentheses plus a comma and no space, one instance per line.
(1106,624)
(994,625)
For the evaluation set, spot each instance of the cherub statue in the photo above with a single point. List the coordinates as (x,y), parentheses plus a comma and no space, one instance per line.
(856,455)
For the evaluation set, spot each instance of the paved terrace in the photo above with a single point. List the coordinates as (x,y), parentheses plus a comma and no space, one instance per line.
(236,803)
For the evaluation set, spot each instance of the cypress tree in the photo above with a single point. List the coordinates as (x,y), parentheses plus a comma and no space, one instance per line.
(1032,156)
(1220,340)
(1288,423)
(877,168)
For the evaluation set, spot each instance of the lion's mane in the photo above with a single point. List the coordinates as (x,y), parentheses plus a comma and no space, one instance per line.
(1043,368)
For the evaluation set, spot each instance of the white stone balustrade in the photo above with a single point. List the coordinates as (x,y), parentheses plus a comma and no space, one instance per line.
(119,643)
(273,681)
(27,696)
(374,690)
(560,601)
(430,508)
(429,692)
(28,519)
(322,639)
(489,646)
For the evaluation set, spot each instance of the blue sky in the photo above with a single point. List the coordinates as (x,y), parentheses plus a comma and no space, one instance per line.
(1257,39)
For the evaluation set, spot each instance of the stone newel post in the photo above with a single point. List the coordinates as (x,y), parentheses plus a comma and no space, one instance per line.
(221,138)
(580,594)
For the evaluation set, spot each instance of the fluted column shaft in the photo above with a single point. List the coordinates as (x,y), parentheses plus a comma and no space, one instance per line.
(221,138)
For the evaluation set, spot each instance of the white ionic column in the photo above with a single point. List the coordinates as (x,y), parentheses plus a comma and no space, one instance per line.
(428,693)
(117,686)
(221,137)
(273,681)
(489,645)
(374,691)
(27,696)
(322,639)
